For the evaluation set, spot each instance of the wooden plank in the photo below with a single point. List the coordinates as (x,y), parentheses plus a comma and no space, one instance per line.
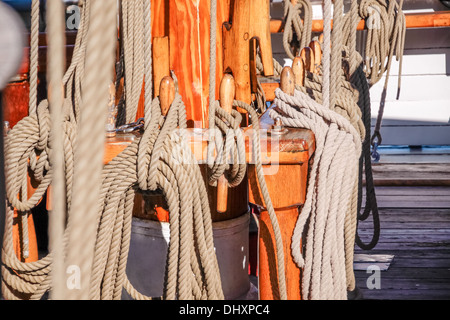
(413,202)
(189,24)
(406,284)
(439,238)
(364,261)
(366,258)
(413,20)
(160,61)
(417,273)
(160,18)
(414,246)
(358,266)
(407,295)
(423,191)
(412,173)
(189,54)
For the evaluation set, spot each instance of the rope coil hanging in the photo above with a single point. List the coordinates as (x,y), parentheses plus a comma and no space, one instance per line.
(192,270)
(297,22)
(330,207)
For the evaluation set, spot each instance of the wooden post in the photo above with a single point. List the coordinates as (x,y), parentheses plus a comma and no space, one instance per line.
(160,62)
(308,58)
(317,53)
(287,188)
(189,34)
(227,93)
(166,94)
(298,70)
(250,20)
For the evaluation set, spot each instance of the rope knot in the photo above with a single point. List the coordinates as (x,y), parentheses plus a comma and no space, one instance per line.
(230,147)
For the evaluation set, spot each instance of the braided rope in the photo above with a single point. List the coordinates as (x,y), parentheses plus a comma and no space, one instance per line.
(34,55)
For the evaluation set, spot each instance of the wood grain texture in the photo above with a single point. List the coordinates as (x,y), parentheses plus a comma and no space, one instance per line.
(189,34)
(268,271)
(161,68)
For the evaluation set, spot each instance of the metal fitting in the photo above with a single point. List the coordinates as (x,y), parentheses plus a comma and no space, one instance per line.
(277,127)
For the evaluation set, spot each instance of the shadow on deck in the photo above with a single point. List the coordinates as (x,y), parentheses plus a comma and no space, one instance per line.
(415,229)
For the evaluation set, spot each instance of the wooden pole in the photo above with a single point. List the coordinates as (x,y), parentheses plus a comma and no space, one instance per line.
(227,93)
(308,58)
(299,71)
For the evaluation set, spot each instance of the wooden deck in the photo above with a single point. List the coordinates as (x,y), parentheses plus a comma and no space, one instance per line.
(415,227)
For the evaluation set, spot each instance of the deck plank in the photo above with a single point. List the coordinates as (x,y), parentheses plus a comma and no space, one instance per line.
(415,229)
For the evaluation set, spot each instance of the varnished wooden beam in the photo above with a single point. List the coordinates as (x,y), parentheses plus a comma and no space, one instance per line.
(413,20)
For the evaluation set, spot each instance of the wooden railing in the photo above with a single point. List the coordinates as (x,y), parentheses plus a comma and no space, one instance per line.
(413,20)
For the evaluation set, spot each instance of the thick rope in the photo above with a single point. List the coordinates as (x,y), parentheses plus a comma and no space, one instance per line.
(191,266)
(91,137)
(230,159)
(266,197)
(34,55)
(297,33)
(329,194)
(56,58)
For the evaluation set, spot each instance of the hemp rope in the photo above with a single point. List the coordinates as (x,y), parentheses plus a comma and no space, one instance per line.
(91,139)
(293,25)
(32,140)
(330,187)
(34,46)
(191,267)
(56,65)
(330,208)
(32,137)
(234,146)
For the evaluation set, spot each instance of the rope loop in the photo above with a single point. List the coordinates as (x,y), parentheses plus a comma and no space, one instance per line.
(294,26)
(229,144)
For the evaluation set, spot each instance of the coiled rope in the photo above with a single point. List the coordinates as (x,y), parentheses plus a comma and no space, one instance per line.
(330,207)
(160,159)
(168,164)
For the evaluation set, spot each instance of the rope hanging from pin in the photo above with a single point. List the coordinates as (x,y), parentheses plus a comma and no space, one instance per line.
(149,163)
(297,26)
(234,147)
(326,103)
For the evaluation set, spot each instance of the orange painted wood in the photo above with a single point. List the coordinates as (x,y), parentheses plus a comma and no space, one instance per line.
(287,189)
(250,19)
(286,185)
(15,102)
(269,89)
(413,20)
(296,146)
(260,29)
(160,18)
(160,62)
(268,265)
(189,23)
(236,47)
